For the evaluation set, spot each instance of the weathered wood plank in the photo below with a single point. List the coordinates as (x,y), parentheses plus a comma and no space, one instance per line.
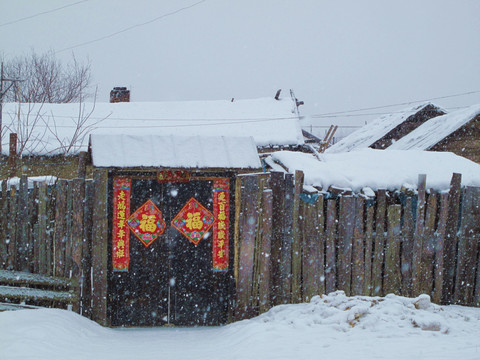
(428,253)
(369,243)
(379,248)
(392,282)
(358,252)
(100,247)
(321,242)
(450,242)
(419,236)
(330,247)
(24,248)
(286,255)
(408,231)
(468,243)
(244,308)
(258,243)
(86,284)
(310,250)
(439,248)
(59,243)
(12,230)
(42,228)
(77,239)
(4,226)
(313,267)
(296,240)
(33,228)
(346,224)
(277,183)
(265,253)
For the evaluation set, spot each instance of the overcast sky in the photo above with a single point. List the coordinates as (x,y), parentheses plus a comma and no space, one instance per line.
(336,55)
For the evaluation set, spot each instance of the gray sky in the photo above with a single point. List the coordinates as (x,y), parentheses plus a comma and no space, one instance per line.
(336,55)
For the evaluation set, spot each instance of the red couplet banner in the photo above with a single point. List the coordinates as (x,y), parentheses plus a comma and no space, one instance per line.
(120,231)
(221,213)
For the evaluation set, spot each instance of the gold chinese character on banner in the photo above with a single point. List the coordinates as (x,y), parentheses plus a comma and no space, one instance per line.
(193,221)
(148,223)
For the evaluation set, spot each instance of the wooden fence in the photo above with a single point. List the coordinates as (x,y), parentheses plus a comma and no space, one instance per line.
(289,245)
(48,230)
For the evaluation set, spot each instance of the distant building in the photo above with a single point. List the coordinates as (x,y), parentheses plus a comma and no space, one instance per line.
(384,131)
(457,132)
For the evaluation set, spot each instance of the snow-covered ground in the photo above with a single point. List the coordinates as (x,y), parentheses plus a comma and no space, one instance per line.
(331,326)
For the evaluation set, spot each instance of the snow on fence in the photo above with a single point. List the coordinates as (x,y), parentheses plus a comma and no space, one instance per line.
(289,245)
(292,245)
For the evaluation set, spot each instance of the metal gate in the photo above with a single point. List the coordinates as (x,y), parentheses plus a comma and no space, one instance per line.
(171,279)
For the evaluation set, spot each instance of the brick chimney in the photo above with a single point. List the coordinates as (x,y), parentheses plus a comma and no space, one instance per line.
(119,94)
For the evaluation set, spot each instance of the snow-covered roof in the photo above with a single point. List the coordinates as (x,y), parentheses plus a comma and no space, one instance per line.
(174,151)
(51,129)
(375,130)
(380,169)
(434,130)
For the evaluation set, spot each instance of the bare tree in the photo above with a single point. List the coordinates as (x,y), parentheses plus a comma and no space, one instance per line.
(46,79)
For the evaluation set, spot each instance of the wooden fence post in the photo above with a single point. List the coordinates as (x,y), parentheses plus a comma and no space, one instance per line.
(428,253)
(277,183)
(265,253)
(4,226)
(358,252)
(286,255)
(244,308)
(369,242)
(418,237)
(23,244)
(297,243)
(60,235)
(379,248)
(100,247)
(392,282)
(408,232)
(13,156)
(346,224)
(42,228)
(450,244)
(439,249)
(77,234)
(330,248)
(12,230)
(468,243)
(86,284)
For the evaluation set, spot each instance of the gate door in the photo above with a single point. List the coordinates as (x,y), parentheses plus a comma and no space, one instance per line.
(170,278)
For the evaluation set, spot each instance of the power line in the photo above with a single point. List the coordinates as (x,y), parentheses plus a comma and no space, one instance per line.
(392,105)
(130,27)
(42,13)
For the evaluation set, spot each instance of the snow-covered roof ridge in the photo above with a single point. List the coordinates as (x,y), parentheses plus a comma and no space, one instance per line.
(434,130)
(378,128)
(201,152)
(51,129)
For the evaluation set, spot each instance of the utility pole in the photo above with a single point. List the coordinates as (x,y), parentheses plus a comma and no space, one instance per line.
(2,93)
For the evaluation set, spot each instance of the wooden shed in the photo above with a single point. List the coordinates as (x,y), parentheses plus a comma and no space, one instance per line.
(384,131)
(457,132)
(164,241)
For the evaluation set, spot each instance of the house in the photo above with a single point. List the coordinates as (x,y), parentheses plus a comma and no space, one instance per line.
(382,132)
(51,136)
(457,132)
